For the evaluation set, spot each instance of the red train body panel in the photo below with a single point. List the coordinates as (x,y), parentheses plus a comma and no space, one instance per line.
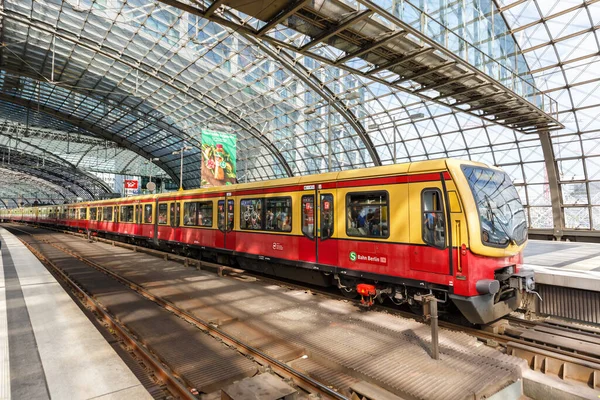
(326,239)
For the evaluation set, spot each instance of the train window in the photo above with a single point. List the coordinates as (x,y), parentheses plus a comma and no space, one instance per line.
(326,216)
(148,211)
(434,227)
(99,214)
(126,213)
(278,216)
(116,214)
(83,213)
(174,214)
(198,213)
(367,214)
(93,213)
(190,214)
(251,211)
(308,216)
(162,213)
(108,214)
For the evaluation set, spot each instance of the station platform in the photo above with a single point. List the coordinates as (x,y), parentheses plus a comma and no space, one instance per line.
(571,256)
(564,264)
(567,277)
(48,347)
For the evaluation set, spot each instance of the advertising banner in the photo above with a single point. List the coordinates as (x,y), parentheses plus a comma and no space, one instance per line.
(131,184)
(218,158)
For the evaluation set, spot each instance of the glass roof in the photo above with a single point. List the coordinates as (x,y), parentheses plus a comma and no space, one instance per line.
(139,79)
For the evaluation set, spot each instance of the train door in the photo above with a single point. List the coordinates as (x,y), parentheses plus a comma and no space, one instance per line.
(326,248)
(225,210)
(174,218)
(458,227)
(308,218)
(428,228)
(157,215)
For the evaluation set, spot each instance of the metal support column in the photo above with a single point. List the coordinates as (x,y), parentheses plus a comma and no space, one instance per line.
(555,195)
(430,312)
(329,151)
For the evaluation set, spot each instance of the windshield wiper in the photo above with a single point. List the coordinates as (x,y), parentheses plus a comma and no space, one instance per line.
(494,217)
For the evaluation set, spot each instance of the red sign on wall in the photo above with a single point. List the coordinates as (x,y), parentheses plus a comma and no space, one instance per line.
(131,184)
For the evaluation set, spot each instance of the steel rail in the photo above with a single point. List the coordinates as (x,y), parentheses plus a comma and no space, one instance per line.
(299,378)
(174,385)
(503,340)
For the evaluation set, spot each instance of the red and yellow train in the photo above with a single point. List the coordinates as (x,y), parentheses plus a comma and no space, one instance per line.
(455,229)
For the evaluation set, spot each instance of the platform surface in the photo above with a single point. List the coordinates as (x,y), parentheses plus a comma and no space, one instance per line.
(573,256)
(48,347)
(564,264)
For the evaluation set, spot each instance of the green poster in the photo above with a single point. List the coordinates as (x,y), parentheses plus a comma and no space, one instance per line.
(218,158)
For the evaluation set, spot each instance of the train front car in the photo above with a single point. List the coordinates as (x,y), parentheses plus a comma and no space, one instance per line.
(489,282)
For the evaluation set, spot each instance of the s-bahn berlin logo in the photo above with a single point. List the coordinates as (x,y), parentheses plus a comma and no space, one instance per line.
(367,258)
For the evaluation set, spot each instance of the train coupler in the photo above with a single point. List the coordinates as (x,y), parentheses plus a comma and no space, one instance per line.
(367,294)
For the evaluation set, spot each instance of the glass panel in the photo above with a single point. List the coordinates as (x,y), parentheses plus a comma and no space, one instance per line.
(205,213)
(162,213)
(434,227)
(230,215)
(596,217)
(174,214)
(308,216)
(190,214)
(541,217)
(327,221)
(574,193)
(83,213)
(251,214)
(577,218)
(93,213)
(126,213)
(500,210)
(278,215)
(138,214)
(368,214)
(148,211)
(108,213)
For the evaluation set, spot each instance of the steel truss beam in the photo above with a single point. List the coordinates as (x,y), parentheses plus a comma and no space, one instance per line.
(322,90)
(248,29)
(52,171)
(136,65)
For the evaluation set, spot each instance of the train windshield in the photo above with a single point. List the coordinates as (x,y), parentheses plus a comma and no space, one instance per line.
(500,210)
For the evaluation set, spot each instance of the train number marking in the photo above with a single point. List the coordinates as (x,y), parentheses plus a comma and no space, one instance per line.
(277,246)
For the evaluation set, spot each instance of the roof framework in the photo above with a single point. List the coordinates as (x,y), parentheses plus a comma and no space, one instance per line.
(77,183)
(143,79)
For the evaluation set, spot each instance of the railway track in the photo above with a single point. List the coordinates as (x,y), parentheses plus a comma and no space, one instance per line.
(175,381)
(566,350)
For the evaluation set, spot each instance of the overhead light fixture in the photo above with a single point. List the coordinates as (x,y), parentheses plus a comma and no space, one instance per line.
(352,95)
(373,126)
(309,110)
(416,116)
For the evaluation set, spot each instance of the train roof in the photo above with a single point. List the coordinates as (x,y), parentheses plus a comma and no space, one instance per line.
(404,168)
